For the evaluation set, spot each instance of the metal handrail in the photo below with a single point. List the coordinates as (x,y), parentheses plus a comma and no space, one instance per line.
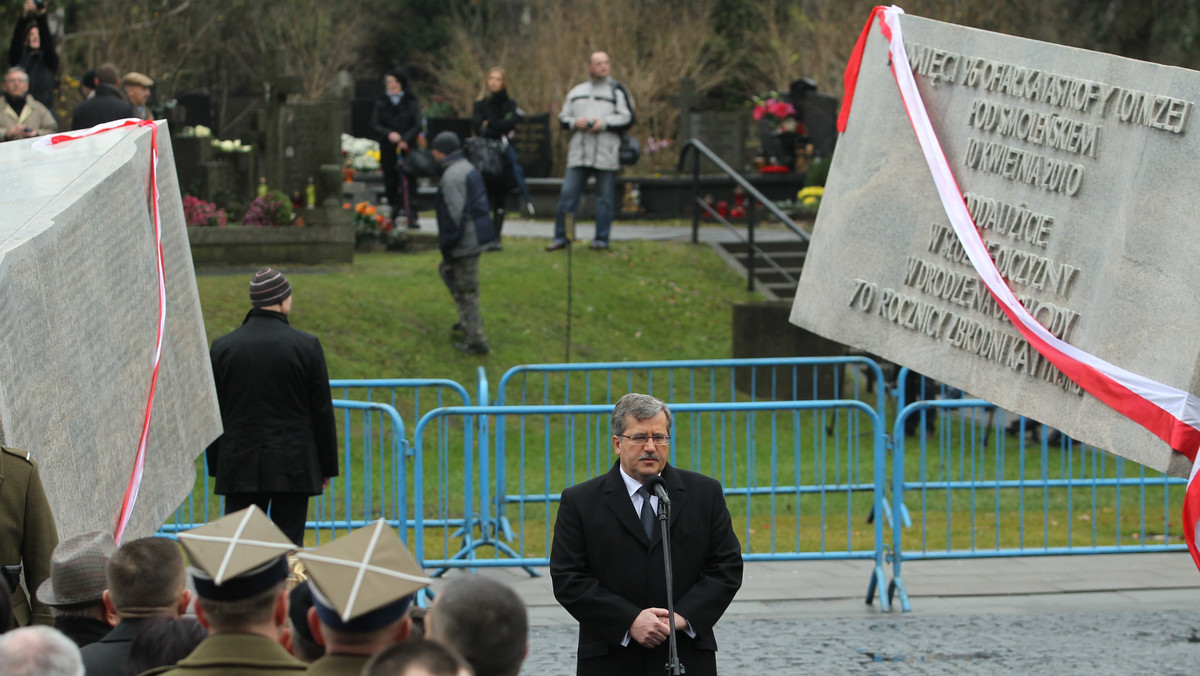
(754,195)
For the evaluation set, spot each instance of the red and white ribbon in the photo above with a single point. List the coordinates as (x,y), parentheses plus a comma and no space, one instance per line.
(1170,413)
(139,463)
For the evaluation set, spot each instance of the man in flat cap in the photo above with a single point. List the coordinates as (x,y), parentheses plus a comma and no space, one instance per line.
(240,572)
(362,586)
(75,589)
(137,90)
(280,443)
(27,534)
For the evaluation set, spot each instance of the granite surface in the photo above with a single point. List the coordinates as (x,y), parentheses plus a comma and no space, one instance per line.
(1078,167)
(79,315)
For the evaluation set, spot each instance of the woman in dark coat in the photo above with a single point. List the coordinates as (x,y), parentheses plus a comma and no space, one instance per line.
(495,116)
(32,48)
(396,120)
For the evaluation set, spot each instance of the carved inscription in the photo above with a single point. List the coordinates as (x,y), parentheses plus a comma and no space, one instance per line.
(1033,128)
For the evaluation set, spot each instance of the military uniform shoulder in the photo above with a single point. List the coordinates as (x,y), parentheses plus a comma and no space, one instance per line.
(24,455)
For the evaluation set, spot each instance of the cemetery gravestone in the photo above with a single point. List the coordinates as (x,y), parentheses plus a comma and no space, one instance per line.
(1076,167)
(309,134)
(531,140)
(79,314)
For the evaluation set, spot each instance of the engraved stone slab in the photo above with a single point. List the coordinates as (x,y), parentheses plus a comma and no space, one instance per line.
(79,316)
(1079,169)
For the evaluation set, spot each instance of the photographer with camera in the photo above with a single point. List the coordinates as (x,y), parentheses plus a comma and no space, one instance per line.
(22,116)
(32,49)
(27,534)
(595,111)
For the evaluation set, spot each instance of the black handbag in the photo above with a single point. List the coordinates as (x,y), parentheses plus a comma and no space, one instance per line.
(418,162)
(487,154)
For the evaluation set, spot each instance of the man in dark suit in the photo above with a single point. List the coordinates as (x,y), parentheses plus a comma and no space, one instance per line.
(608,571)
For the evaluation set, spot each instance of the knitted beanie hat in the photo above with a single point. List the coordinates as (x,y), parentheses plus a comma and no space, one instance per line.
(268,287)
(446,142)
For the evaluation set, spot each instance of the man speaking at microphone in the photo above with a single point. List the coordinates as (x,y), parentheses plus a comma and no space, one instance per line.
(606,561)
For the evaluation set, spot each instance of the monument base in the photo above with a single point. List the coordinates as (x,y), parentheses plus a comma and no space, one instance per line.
(761,329)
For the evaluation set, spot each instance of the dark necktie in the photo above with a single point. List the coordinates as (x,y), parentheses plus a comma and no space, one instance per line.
(648,515)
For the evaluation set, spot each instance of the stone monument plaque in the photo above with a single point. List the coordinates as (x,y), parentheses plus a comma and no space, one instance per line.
(79,318)
(1079,170)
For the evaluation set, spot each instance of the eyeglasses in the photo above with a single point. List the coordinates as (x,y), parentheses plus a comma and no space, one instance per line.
(641,439)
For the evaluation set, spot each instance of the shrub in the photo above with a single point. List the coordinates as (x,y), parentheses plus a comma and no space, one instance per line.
(201,213)
(274,208)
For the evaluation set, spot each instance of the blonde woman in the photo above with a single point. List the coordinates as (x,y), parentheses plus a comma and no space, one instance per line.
(495,116)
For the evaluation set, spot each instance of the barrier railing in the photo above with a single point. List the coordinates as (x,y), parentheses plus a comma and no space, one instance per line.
(675,382)
(967,498)
(801,477)
(372,483)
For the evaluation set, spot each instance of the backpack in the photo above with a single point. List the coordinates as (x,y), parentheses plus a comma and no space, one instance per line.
(630,150)
(620,87)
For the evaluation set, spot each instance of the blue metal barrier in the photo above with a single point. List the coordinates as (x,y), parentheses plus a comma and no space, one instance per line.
(675,382)
(805,492)
(372,484)
(966,498)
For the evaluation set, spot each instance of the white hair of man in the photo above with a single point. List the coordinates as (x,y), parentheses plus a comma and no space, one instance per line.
(39,651)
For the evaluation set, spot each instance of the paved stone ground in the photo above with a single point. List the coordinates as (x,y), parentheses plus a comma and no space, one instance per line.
(1105,614)
(1080,642)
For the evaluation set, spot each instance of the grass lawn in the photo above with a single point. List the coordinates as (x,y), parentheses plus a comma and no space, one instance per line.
(389,315)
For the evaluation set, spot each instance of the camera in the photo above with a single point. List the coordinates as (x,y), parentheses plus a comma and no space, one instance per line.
(40,5)
(591,123)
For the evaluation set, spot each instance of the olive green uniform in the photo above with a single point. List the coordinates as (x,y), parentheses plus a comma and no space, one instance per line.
(338,665)
(27,532)
(235,655)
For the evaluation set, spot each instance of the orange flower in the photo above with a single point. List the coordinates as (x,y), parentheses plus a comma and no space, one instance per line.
(379,219)
(370,211)
(345,205)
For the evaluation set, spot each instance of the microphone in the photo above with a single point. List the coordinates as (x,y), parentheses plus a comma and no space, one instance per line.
(659,488)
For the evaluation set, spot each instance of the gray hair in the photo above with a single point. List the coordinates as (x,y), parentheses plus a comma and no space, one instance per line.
(39,651)
(641,407)
(17,69)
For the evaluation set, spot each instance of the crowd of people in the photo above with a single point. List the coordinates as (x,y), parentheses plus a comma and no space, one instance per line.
(31,81)
(260,607)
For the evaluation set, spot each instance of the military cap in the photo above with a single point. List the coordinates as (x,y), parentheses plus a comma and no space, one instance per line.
(237,556)
(363,581)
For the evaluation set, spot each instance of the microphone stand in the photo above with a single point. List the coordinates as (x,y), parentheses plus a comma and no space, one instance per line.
(674,667)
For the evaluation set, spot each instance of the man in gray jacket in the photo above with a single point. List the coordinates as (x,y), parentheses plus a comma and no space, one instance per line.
(464,232)
(592,110)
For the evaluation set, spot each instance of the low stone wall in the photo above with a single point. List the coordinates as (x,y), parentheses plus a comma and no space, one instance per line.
(328,237)
(661,197)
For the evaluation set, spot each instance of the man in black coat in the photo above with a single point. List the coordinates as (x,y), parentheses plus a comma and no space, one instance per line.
(396,119)
(608,573)
(280,443)
(106,105)
(146,578)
